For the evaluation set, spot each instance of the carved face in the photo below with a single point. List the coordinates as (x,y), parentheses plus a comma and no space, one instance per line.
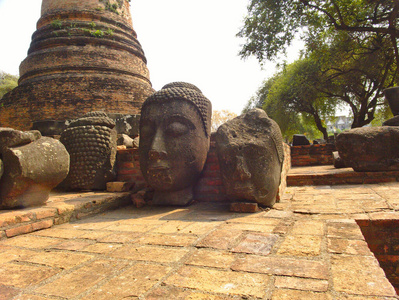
(173,145)
(249,161)
(249,170)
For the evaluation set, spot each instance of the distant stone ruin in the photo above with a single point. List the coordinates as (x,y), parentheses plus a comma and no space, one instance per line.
(84,57)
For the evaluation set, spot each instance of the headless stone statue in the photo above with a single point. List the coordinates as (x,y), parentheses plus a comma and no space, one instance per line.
(174,141)
(250,151)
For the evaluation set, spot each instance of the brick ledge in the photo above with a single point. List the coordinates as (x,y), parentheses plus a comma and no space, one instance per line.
(60,208)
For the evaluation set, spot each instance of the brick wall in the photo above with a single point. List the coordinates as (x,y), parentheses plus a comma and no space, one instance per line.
(312,155)
(209,187)
(83,57)
(382,237)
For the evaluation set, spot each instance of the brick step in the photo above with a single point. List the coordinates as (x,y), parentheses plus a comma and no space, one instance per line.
(60,208)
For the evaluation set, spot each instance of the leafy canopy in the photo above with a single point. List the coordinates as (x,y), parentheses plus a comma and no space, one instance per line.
(7,83)
(272,25)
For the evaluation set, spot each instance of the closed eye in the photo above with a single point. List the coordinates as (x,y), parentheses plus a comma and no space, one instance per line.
(176,129)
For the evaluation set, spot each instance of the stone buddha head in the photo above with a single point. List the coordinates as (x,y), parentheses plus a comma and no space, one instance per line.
(250,151)
(175,129)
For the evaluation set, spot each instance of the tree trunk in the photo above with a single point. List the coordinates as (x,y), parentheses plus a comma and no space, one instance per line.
(319,125)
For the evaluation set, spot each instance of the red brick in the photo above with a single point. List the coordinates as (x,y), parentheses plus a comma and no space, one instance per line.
(378,180)
(45,213)
(19,230)
(126,165)
(244,207)
(208,189)
(42,225)
(119,186)
(138,199)
(389,259)
(385,224)
(20,218)
(212,182)
(129,171)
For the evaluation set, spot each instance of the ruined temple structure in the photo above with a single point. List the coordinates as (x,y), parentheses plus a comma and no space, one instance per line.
(84,56)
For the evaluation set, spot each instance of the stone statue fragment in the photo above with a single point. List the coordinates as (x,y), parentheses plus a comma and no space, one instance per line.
(174,141)
(13,138)
(91,143)
(251,154)
(370,148)
(31,171)
(1,168)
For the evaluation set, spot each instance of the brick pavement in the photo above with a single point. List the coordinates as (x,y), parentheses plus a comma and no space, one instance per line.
(308,247)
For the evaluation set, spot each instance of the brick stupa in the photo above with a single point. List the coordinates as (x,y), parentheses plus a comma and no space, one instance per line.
(84,56)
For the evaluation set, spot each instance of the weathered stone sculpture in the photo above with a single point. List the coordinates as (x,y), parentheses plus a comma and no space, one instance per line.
(13,138)
(1,168)
(300,140)
(370,148)
(84,57)
(392,96)
(250,151)
(32,167)
(127,141)
(174,141)
(91,143)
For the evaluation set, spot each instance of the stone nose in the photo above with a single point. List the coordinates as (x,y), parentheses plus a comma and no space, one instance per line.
(157,155)
(158,149)
(241,172)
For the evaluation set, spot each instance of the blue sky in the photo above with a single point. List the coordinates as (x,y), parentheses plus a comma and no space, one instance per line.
(192,41)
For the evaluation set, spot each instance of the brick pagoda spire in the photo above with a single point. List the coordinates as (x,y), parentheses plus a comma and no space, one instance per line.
(84,56)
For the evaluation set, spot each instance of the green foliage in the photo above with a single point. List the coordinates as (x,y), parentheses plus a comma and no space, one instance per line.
(258,100)
(351,45)
(292,97)
(113,7)
(56,24)
(382,114)
(7,83)
(109,32)
(355,70)
(270,25)
(98,33)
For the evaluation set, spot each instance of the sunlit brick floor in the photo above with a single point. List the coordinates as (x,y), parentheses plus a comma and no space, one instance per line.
(308,247)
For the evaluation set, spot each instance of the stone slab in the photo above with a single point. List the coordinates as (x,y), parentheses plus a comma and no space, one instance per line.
(225,282)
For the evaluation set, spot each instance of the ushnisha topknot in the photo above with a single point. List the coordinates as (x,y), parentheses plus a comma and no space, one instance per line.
(188,92)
